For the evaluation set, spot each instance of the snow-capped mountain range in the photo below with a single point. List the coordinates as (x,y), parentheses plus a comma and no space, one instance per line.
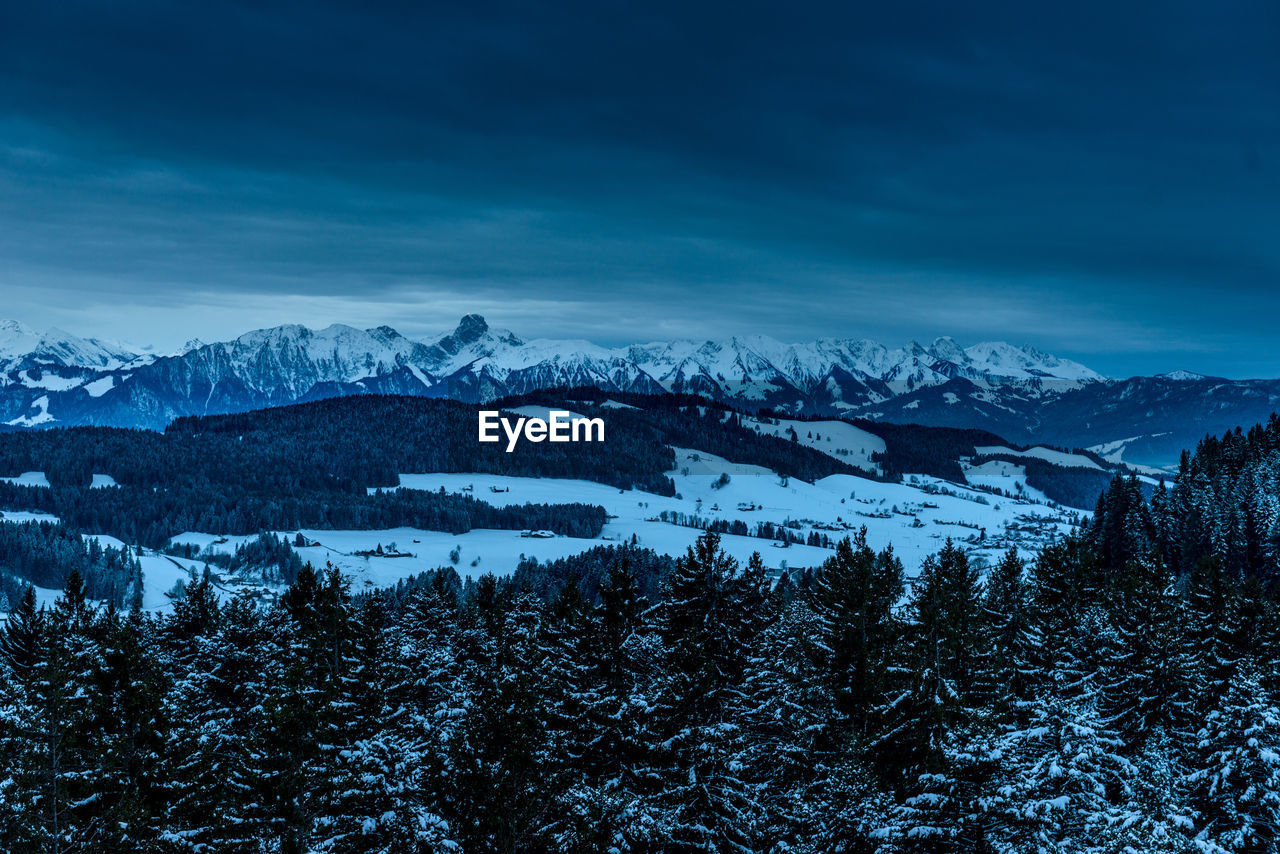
(60,379)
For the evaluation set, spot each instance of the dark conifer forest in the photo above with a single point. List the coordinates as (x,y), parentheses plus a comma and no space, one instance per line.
(1116,692)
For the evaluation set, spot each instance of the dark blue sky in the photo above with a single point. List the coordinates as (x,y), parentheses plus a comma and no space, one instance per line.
(1100,180)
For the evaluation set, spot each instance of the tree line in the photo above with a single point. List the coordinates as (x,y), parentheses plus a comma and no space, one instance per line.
(1067,704)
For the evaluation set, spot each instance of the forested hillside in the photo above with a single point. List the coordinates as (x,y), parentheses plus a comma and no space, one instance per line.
(311,465)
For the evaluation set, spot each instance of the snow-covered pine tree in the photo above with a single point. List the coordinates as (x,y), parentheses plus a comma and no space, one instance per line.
(854,594)
(427,692)
(215,797)
(624,655)
(940,736)
(21,754)
(1215,647)
(1155,812)
(20,638)
(1058,775)
(572,697)
(790,707)
(700,787)
(1007,626)
(1236,785)
(373,796)
(497,794)
(60,724)
(128,730)
(1147,676)
(1122,529)
(1065,588)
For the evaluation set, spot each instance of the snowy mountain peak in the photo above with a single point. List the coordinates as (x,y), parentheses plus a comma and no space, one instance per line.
(1000,359)
(946,349)
(471,340)
(16,339)
(22,347)
(1182,375)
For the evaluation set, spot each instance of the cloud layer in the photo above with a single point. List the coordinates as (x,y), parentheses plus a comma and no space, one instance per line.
(1099,181)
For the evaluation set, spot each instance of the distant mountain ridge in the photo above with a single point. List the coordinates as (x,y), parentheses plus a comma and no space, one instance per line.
(1018,392)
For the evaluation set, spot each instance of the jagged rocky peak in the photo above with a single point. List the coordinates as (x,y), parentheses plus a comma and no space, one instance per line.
(473,334)
(470,329)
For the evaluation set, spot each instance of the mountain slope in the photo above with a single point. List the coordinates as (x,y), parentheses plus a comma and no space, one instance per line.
(1018,392)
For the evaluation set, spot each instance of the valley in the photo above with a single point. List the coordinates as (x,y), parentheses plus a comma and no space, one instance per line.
(791,510)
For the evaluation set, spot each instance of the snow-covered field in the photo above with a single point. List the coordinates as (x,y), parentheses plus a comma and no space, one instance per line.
(159,572)
(1058,458)
(1002,475)
(25,516)
(915,516)
(838,439)
(38,478)
(28,478)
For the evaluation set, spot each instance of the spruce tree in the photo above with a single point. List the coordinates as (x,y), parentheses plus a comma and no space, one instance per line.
(854,596)
(1236,785)
(939,741)
(1007,626)
(704,798)
(20,639)
(1147,677)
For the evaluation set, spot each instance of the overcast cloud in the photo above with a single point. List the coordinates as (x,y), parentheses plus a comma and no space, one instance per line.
(1101,182)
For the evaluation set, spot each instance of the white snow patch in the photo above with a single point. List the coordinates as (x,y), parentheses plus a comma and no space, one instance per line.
(28,478)
(1113,452)
(217,543)
(838,439)
(690,462)
(42,416)
(543,412)
(26,516)
(101,386)
(1058,458)
(49,381)
(1003,475)
(160,573)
